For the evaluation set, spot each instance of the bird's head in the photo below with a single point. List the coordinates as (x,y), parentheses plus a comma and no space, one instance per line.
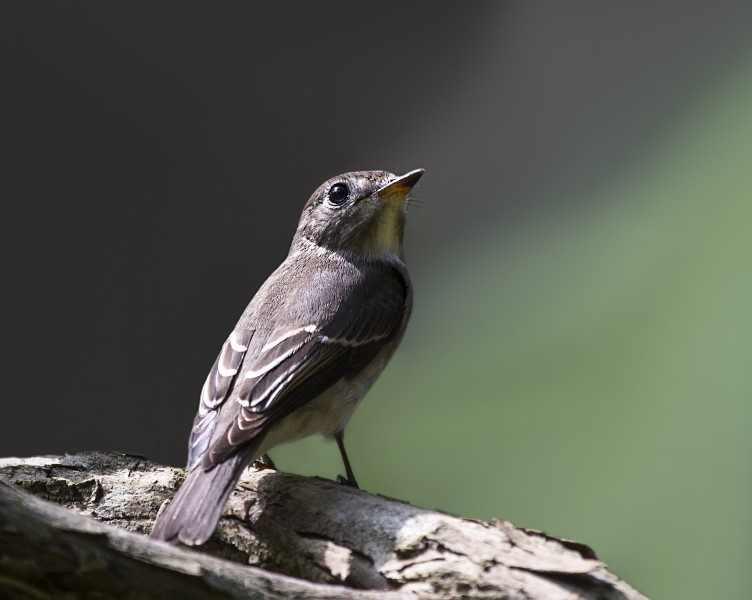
(362,212)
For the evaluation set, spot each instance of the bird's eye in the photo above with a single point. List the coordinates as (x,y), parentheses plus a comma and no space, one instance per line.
(338,193)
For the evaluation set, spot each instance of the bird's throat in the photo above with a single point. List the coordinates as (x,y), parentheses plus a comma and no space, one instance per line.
(383,234)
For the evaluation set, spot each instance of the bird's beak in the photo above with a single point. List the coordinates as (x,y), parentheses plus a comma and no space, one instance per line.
(402,185)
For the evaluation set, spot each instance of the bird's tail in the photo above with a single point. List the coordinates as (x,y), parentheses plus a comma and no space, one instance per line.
(194,512)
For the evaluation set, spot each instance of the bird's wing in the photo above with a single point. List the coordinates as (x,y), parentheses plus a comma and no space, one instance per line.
(298,364)
(215,391)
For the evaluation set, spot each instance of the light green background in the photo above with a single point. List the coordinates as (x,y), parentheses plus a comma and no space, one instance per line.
(598,383)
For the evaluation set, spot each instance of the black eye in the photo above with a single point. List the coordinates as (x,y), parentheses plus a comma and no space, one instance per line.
(338,193)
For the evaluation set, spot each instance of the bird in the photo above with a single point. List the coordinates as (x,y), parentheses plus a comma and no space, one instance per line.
(306,350)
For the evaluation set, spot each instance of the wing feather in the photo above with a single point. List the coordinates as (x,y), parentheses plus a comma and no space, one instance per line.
(215,391)
(298,364)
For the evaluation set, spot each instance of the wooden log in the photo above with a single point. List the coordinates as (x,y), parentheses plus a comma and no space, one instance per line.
(281,536)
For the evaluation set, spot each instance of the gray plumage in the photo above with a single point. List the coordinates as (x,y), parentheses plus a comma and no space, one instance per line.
(307,348)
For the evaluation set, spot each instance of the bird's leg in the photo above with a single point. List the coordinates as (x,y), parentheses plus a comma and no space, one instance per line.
(350,479)
(263,462)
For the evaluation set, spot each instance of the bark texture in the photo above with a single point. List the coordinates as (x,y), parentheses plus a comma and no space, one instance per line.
(72,527)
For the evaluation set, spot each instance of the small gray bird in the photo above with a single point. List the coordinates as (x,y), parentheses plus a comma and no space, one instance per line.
(308,347)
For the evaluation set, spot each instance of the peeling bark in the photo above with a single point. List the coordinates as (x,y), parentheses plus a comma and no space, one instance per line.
(281,536)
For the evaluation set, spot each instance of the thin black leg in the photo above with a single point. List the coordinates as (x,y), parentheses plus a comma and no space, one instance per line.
(350,480)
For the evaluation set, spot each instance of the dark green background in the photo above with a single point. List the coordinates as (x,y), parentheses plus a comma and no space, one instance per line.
(579,355)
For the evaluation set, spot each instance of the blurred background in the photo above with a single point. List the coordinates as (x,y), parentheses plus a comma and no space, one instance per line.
(579,355)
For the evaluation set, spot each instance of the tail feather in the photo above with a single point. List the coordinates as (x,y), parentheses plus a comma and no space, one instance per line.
(194,512)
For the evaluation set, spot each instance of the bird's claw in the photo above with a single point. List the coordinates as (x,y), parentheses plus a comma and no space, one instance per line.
(263,462)
(342,480)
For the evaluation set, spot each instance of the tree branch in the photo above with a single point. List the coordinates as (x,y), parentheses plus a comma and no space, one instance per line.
(285,537)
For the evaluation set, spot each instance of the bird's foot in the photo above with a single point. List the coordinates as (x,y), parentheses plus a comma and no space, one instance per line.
(263,462)
(342,480)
